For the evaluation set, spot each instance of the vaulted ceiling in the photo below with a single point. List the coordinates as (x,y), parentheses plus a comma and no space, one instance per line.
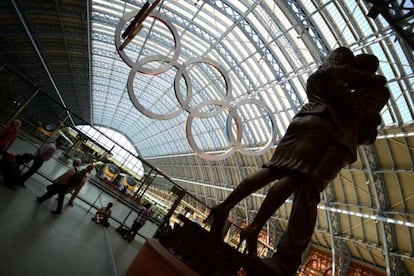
(196,65)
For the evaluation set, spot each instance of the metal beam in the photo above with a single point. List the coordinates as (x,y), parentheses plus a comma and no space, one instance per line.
(19,14)
(341,258)
(321,206)
(382,204)
(399,14)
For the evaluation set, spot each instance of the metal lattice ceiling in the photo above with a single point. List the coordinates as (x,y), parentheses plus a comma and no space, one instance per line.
(268,49)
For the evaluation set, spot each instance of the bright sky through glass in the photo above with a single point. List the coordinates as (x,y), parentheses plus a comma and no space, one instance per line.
(267,51)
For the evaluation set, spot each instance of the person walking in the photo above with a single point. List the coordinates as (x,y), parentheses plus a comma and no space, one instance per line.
(63,185)
(77,189)
(141,219)
(43,154)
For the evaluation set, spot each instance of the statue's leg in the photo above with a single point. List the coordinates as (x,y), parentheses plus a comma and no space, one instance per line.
(277,195)
(303,215)
(300,228)
(247,186)
(251,184)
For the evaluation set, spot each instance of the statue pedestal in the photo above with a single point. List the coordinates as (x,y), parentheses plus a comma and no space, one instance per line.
(196,248)
(155,259)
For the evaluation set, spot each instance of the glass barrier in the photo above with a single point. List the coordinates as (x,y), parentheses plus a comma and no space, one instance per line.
(44,119)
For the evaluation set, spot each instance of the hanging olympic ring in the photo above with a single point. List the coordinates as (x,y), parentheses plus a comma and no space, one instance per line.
(137,65)
(196,111)
(235,138)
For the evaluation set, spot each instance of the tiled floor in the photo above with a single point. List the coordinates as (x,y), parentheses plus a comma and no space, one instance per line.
(33,242)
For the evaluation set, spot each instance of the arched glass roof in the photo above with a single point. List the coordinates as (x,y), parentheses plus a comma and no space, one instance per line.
(239,69)
(267,48)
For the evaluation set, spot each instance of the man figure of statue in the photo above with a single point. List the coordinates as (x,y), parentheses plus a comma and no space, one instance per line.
(345,98)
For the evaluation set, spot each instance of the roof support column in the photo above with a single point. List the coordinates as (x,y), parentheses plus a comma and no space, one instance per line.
(369,159)
(340,255)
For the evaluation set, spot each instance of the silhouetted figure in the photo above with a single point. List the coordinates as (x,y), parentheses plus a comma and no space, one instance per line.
(77,189)
(64,184)
(124,190)
(43,154)
(143,214)
(321,139)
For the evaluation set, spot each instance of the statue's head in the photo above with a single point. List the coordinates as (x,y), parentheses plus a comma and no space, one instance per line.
(340,56)
(366,62)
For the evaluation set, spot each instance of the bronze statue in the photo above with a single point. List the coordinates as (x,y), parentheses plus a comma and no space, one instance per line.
(345,98)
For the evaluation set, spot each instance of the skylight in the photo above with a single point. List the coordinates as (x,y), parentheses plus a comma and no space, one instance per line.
(268,52)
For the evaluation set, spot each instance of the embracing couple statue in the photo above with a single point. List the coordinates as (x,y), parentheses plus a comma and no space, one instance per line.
(345,99)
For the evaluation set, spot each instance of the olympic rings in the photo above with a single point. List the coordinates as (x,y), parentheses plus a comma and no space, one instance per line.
(184,102)
(237,142)
(191,141)
(139,66)
(133,97)
(235,139)
(234,124)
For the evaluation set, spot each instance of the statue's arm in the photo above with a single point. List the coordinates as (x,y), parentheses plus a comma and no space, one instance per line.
(335,92)
(357,78)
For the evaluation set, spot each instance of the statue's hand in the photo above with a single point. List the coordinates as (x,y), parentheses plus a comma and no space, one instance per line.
(368,81)
(380,81)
